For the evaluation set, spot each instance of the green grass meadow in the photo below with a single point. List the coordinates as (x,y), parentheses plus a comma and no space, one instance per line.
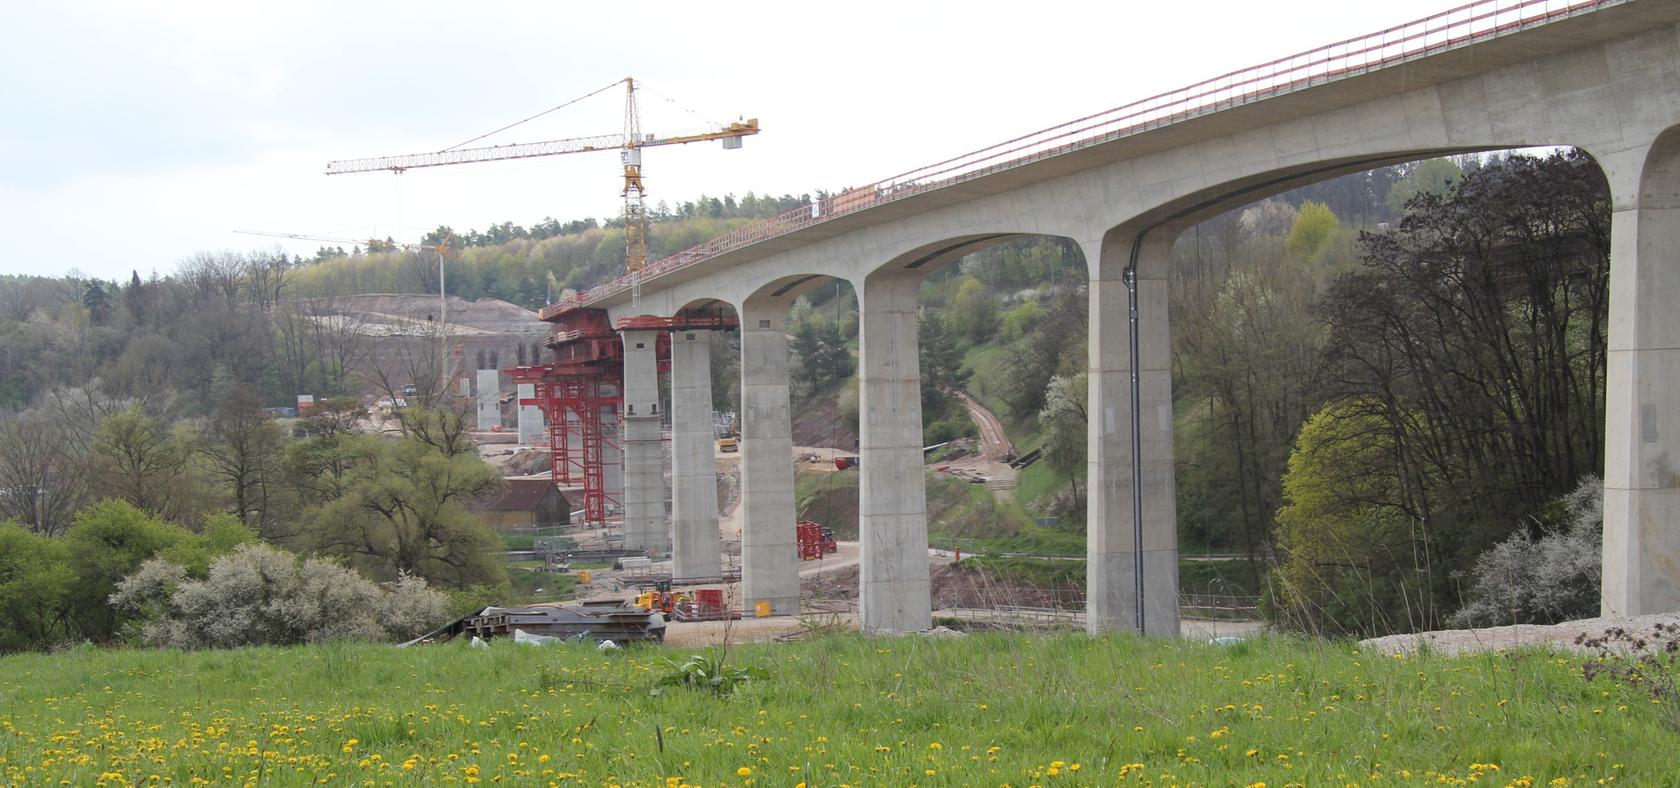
(999,709)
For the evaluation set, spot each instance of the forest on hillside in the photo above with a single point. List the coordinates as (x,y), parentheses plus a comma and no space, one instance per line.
(1380,380)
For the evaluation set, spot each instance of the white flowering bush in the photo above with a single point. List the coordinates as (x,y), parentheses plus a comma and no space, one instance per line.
(261,595)
(1542,579)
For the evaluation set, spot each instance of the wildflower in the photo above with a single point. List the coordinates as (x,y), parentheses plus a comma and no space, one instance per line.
(744,771)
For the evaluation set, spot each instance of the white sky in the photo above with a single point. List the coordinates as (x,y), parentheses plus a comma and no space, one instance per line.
(133,134)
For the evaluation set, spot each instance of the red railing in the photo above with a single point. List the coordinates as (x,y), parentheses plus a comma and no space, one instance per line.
(1468,23)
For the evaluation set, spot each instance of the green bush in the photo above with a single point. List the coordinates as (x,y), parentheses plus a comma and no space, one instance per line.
(35,588)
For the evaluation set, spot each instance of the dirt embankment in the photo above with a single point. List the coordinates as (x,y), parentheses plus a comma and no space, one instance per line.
(1464,641)
(952,586)
(817,422)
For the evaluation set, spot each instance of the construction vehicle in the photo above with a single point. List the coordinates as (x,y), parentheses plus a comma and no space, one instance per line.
(629,144)
(661,599)
(728,445)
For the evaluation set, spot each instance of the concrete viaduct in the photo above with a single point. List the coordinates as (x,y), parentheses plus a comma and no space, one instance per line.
(1602,75)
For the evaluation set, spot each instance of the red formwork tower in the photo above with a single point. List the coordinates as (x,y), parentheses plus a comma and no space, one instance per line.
(581,381)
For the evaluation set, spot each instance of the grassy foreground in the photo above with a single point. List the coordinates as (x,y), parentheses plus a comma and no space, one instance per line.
(982,710)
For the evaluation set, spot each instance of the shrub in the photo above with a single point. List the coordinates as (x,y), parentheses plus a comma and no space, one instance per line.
(1639,665)
(261,595)
(35,587)
(1542,579)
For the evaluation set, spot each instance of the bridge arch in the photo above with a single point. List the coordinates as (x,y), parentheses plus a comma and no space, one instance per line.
(1131,260)
(895,589)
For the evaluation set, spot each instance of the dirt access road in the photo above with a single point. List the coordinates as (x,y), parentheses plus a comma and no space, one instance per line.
(992,463)
(994,444)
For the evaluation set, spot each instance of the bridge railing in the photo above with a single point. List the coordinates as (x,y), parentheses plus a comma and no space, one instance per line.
(1475,21)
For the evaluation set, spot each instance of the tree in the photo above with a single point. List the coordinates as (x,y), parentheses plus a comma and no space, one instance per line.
(35,587)
(1311,230)
(107,542)
(1479,326)
(1056,344)
(1065,433)
(1430,176)
(1554,575)
(134,298)
(1353,562)
(822,356)
(940,361)
(242,447)
(973,313)
(143,461)
(43,480)
(96,301)
(403,509)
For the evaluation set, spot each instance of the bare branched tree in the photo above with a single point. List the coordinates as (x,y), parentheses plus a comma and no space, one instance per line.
(43,480)
(417,374)
(341,343)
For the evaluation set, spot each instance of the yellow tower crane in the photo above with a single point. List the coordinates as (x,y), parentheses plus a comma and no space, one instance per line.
(629,145)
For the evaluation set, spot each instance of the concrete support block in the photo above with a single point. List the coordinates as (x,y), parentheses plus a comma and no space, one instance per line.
(1642,414)
(532,431)
(489,396)
(894,595)
(1112,540)
(645,523)
(697,553)
(769,543)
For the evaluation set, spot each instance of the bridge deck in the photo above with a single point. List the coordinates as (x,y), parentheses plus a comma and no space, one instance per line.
(1326,77)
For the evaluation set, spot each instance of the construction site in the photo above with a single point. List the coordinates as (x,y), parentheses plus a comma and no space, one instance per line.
(623,475)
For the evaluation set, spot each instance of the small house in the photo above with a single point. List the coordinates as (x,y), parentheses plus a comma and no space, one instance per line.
(523,505)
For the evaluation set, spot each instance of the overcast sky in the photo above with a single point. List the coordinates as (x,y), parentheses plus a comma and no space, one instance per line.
(133,134)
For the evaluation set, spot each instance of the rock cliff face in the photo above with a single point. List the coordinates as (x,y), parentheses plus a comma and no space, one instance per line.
(400,336)
(485,315)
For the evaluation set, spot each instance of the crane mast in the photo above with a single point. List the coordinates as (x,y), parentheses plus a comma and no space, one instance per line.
(635,208)
(630,144)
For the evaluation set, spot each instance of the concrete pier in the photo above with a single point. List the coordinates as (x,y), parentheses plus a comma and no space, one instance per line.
(1642,420)
(892,498)
(489,398)
(769,543)
(644,453)
(697,552)
(1111,542)
(532,431)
